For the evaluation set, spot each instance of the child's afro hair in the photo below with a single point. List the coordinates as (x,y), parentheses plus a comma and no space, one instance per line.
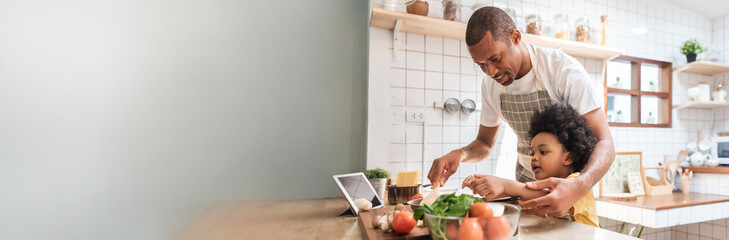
(571,130)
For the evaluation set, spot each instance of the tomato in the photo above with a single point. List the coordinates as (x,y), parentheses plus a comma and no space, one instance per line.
(498,228)
(452,229)
(417,196)
(403,222)
(470,230)
(483,222)
(480,209)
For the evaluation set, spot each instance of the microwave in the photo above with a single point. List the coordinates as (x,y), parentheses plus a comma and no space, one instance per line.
(720,149)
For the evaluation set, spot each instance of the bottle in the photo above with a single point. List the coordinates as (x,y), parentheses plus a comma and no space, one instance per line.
(603,19)
(719,95)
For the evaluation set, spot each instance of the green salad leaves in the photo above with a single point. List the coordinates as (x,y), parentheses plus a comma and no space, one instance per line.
(448,205)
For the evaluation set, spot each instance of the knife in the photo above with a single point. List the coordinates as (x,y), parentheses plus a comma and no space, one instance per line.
(509,199)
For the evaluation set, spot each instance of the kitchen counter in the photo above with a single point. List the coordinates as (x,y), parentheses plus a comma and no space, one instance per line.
(318,219)
(674,200)
(667,210)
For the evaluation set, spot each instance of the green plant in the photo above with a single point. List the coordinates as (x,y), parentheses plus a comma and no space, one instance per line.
(620,112)
(692,46)
(377,173)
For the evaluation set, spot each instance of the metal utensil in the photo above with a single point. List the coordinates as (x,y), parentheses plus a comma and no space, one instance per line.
(509,199)
(452,105)
(397,194)
(468,106)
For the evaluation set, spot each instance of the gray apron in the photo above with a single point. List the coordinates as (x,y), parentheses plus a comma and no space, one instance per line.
(517,110)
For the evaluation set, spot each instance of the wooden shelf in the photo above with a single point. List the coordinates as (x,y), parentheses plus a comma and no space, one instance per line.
(412,23)
(719,170)
(703,67)
(573,48)
(702,105)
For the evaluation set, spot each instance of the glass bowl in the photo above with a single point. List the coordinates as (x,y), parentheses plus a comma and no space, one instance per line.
(502,226)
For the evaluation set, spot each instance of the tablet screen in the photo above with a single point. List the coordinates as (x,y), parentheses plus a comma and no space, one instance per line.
(357,186)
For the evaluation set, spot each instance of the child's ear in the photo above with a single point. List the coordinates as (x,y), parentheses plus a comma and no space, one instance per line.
(568,159)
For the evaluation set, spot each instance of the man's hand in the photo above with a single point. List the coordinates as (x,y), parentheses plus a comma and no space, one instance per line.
(488,186)
(476,151)
(563,194)
(444,167)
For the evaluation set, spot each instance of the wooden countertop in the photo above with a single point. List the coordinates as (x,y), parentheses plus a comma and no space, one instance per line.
(318,219)
(675,200)
(717,170)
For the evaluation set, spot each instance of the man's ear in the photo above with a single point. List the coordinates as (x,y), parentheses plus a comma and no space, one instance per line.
(515,37)
(568,160)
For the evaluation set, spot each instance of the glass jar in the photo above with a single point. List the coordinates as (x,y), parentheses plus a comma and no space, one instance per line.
(712,55)
(452,10)
(534,24)
(561,26)
(603,39)
(583,30)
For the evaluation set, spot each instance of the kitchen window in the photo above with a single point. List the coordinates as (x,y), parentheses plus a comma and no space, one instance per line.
(638,92)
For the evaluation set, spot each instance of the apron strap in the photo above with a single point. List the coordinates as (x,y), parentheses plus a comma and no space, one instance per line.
(535,66)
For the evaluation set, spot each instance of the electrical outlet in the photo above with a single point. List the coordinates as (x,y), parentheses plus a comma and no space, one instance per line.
(415,116)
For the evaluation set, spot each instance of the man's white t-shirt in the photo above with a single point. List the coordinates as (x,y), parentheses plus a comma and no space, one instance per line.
(563,77)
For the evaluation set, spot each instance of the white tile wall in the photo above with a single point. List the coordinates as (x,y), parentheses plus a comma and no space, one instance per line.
(432,68)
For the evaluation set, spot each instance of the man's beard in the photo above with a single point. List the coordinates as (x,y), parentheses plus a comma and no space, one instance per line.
(508,82)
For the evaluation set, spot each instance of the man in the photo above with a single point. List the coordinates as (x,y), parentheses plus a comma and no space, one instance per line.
(522,79)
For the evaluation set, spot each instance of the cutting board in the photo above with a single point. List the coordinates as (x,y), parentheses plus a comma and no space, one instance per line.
(365,223)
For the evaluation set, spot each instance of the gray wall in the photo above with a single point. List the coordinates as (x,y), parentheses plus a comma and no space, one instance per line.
(123,119)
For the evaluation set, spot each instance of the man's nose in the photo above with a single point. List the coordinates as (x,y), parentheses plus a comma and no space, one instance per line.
(491,70)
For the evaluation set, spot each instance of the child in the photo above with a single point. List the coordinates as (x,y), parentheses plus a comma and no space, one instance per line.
(561,145)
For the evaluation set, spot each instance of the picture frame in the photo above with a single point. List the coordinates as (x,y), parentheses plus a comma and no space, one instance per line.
(615,179)
(635,183)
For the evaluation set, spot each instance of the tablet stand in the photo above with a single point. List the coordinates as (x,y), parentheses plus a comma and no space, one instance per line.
(347,213)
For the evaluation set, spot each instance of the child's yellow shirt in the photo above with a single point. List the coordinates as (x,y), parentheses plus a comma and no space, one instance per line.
(584,209)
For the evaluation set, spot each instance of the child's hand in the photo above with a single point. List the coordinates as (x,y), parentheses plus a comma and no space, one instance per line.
(488,186)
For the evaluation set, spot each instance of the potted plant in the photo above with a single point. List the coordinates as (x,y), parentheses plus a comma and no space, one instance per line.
(651,119)
(617,83)
(690,48)
(378,179)
(652,86)
(619,118)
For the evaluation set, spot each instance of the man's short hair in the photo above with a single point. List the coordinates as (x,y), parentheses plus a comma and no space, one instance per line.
(489,19)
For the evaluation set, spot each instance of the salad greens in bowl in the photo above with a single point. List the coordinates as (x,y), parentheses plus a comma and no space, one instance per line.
(463,217)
